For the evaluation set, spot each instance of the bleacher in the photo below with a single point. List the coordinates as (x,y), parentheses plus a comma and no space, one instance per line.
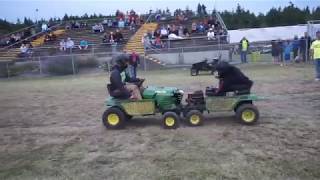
(131,41)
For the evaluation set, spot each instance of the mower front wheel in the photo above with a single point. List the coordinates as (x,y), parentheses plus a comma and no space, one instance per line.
(170,120)
(114,118)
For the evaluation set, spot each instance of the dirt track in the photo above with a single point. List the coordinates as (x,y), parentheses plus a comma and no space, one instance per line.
(51,129)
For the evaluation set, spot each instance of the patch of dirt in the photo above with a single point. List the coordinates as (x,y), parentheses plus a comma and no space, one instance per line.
(51,129)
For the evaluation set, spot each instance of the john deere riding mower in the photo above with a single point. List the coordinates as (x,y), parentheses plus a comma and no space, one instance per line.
(163,100)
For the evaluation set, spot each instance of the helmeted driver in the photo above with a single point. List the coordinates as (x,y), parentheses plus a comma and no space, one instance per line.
(117,87)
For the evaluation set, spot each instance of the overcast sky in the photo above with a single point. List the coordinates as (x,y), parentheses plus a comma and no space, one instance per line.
(13,9)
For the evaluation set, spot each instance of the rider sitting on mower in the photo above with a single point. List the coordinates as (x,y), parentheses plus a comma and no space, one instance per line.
(117,88)
(231,79)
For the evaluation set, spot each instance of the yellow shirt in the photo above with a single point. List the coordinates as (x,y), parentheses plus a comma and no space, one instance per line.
(315,46)
(244,45)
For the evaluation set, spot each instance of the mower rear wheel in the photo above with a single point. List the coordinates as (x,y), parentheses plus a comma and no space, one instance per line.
(114,118)
(194,72)
(194,118)
(170,120)
(247,114)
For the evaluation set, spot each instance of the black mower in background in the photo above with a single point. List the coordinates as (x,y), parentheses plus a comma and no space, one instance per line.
(205,65)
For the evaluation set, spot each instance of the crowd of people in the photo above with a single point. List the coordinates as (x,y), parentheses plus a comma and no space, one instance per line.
(287,51)
(113,38)
(67,45)
(178,31)
(25,50)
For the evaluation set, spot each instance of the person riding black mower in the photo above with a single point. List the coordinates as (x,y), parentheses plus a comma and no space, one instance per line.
(204,65)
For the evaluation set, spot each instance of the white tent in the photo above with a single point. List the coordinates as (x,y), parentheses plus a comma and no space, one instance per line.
(268,34)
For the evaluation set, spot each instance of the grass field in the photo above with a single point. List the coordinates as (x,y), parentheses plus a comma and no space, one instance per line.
(50,128)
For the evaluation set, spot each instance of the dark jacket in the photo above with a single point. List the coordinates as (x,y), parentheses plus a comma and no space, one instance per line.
(118,37)
(117,87)
(275,49)
(232,79)
(134,60)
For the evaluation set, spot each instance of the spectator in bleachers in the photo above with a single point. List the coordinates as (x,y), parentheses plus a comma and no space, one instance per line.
(121,23)
(200,28)
(83,45)
(50,37)
(109,24)
(101,28)
(68,26)
(163,33)
(210,34)
(118,36)
(69,44)
(174,30)
(186,32)
(111,38)
(156,33)
(180,31)
(193,27)
(132,26)
(98,28)
(62,45)
(146,42)
(25,50)
(211,22)
(158,43)
(95,28)
(44,27)
(76,25)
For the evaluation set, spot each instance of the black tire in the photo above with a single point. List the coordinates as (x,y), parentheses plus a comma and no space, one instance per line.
(117,121)
(247,114)
(194,72)
(170,120)
(194,118)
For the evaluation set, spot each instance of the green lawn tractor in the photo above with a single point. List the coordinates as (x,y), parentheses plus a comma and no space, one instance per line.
(164,100)
(167,101)
(239,102)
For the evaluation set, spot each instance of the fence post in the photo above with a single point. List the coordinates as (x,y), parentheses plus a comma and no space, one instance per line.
(145,62)
(40,66)
(8,71)
(92,50)
(73,69)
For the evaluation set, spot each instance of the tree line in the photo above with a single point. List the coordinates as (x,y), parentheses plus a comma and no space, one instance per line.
(289,15)
(235,19)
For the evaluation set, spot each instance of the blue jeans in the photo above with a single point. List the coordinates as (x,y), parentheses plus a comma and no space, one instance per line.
(243,56)
(317,65)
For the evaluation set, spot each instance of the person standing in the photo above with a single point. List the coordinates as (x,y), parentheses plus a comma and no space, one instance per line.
(315,52)
(244,45)
(133,64)
(287,48)
(275,51)
(308,44)
(295,47)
